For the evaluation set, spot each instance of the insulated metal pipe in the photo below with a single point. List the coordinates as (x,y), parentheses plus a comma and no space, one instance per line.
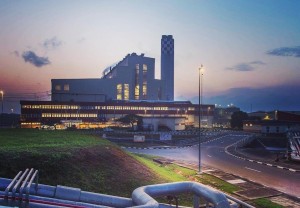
(142,197)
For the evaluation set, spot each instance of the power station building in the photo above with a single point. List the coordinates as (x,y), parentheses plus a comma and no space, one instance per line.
(132,78)
(127,87)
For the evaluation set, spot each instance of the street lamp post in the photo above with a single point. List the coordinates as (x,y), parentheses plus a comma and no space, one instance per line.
(199,116)
(2,93)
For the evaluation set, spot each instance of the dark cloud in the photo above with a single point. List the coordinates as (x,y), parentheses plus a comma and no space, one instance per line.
(245,67)
(257,63)
(38,61)
(284,97)
(285,51)
(52,43)
(241,67)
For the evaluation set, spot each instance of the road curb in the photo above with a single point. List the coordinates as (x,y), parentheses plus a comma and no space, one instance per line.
(175,147)
(259,162)
(143,148)
(226,150)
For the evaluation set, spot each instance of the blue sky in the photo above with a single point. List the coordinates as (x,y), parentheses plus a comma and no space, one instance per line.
(250,49)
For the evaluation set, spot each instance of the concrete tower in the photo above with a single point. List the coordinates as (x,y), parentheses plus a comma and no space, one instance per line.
(167,67)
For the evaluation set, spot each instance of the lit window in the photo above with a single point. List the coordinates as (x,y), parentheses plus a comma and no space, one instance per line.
(119,92)
(144,68)
(145,81)
(137,87)
(126,91)
(144,91)
(57,87)
(66,87)
(137,92)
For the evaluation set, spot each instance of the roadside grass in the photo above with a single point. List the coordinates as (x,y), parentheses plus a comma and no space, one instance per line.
(266,203)
(175,173)
(169,172)
(217,183)
(32,139)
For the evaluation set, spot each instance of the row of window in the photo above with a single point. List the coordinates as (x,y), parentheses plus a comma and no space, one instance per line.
(122,91)
(30,123)
(52,106)
(65,87)
(105,107)
(70,115)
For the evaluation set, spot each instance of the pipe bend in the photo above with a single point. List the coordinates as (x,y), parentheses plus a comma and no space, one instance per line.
(143,196)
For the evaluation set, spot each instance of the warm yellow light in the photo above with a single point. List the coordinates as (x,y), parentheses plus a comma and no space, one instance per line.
(201,69)
(2,93)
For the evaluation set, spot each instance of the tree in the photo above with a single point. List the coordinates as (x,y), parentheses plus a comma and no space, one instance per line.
(131,119)
(237,119)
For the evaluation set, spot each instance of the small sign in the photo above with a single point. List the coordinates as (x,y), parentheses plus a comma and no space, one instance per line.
(138,138)
(165,137)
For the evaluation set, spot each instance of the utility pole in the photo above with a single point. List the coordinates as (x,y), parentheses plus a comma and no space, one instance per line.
(199,115)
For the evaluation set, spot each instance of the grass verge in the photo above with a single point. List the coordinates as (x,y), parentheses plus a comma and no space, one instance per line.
(169,172)
(266,203)
(217,183)
(33,139)
(174,173)
(72,159)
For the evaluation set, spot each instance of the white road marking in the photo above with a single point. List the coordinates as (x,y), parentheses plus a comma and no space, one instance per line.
(206,171)
(209,155)
(236,181)
(253,169)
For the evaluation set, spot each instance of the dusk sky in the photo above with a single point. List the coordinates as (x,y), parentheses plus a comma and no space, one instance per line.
(250,49)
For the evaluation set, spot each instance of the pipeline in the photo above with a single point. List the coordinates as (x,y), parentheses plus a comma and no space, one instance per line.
(142,196)
(34,195)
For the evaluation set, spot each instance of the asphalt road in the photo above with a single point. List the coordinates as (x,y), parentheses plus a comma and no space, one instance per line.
(213,155)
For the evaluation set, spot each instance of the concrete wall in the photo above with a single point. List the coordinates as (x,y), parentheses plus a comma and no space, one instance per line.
(274,129)
(174,123)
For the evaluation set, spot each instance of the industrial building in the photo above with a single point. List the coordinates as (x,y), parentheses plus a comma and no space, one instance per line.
(175,115)
(132,78)
(281,123)
(127,87)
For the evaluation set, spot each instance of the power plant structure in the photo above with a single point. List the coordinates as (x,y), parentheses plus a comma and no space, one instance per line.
(132,78)
(126,87)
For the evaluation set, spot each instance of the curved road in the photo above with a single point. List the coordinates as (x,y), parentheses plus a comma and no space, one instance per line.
(213,155)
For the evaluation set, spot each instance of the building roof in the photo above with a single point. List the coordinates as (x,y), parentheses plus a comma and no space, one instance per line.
(287,116)
(270,122)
